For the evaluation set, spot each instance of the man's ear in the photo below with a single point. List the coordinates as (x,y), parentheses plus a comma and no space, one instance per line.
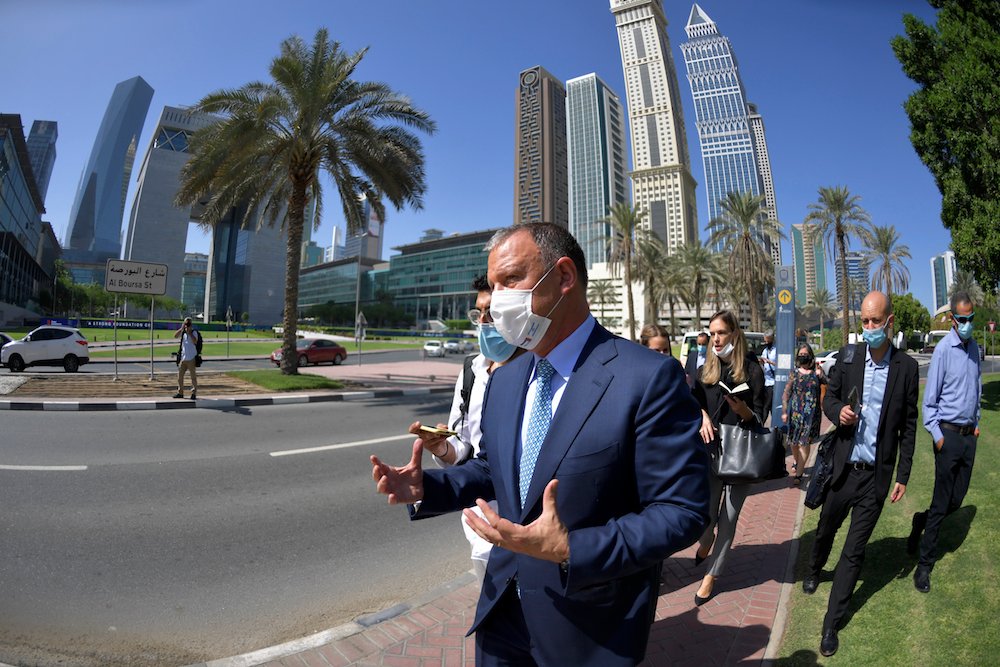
(567,274)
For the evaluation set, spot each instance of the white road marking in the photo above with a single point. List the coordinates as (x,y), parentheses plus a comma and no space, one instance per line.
(345,445)
(45,468)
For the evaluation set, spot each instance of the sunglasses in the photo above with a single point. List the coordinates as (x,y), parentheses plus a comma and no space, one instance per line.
(963,319)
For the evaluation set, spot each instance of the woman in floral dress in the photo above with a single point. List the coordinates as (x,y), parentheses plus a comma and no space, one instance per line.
(801,407)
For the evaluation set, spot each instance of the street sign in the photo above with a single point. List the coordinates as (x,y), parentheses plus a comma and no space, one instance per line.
(784,334)
(135,277)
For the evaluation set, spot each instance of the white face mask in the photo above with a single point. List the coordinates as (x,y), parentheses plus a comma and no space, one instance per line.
(726,352)
(514,319)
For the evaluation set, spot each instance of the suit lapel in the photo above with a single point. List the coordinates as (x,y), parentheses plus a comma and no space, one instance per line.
(890,381)
(586,385)
(508,430)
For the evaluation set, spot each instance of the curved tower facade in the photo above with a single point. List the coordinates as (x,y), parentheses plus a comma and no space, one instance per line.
(95,224)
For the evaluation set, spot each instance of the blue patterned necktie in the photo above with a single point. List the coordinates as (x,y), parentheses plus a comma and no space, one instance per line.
(538,423)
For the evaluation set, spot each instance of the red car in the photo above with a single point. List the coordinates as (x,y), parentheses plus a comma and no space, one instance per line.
(314,351)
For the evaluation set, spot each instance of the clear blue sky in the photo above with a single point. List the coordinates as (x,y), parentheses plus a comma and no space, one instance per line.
(821,72)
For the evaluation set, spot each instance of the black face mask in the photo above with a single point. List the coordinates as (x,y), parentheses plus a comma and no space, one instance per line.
(803,360)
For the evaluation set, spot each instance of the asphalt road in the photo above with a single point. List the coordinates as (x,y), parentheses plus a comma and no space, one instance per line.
(175,537)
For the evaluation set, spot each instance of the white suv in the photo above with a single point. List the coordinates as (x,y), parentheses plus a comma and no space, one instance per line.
(48,345)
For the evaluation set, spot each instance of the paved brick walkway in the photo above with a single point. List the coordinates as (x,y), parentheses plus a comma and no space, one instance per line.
(734,627)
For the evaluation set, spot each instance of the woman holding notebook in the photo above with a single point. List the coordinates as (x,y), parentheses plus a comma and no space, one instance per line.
(730,390)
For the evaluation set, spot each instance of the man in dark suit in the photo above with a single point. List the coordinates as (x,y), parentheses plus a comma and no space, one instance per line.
(590,447)
(696,358)
(872,397)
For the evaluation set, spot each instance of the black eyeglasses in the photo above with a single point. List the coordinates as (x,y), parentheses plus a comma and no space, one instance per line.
(962,319)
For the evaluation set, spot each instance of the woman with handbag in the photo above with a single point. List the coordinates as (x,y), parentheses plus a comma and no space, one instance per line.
(724,399)
(800,407)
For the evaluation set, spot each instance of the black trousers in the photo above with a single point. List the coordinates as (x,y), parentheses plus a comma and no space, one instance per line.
(952,474)
(853,493)
(768,400)
(503,639)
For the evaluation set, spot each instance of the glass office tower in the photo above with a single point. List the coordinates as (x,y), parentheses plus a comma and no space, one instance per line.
(595,138)
(42,150)
(721,113)
(95,224)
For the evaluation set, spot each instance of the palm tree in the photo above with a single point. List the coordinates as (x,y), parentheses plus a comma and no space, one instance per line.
(886,255)
(838,216)
(264,156)
(966,282)
(740,230)
(823,307)
(701,269)
(648,265)
(602,291)
(624,221)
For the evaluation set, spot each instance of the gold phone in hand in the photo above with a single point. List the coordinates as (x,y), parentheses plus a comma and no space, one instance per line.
(433,430)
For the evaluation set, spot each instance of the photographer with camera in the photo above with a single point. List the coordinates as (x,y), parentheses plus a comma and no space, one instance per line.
(187,357)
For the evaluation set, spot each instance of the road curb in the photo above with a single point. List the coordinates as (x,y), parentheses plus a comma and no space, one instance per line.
(220,403)
(358,625)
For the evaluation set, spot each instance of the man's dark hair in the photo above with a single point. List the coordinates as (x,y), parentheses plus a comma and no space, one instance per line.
(481,284)
(553,242)
(960,296)
(702,335)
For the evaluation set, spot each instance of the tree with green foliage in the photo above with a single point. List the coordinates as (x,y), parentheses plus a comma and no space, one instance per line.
(700,267)
(624,221)
(955,122)
(822,306)
(885,256)
(838,216)
(966,282)
(738,230)
(603,292)
(265,154)
(910,314)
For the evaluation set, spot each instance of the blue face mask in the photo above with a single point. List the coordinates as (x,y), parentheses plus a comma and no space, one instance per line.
(493,346)
(874,337)
(702,349)
(965,330)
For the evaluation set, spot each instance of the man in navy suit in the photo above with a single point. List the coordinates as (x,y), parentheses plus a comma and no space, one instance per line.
(620,480)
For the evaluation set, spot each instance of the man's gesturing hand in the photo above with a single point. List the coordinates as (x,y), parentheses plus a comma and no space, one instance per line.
(545,538)
(403,485)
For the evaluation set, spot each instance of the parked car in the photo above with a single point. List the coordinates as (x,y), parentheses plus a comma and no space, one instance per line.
(433,348)
(468,346)
(826,360)
(48,345)
(452,347)
(4,339)
(314,351)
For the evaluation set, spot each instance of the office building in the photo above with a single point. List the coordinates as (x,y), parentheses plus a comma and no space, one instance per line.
(808,263)
(541,191)
(337,282)
(246,267)
(766,179)
(21,226)
(42,150)
(662,185)
(595,139)
(432,279)
(193,281)
(367,241)
(943,269)
(722,118)
(857,278)
(95,225)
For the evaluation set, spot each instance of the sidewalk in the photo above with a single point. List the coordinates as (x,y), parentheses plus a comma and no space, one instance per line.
(742,624)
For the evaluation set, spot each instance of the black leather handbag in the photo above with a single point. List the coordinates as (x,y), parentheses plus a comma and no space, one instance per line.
(744,454)
(822,472)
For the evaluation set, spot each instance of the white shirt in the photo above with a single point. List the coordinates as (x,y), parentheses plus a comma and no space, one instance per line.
(188,348)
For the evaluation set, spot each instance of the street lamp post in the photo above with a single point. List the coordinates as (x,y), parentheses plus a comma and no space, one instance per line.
(357,298)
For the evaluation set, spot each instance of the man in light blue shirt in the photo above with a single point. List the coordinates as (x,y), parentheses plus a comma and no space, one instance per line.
(951,415)
(768,359)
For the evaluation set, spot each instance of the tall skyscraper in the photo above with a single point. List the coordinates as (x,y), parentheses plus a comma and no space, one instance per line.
(857,277)
(541,193)
(764,169)
(943,269)
(662,185)
(42,151)
(595,137)
(808,262)
(722,117)
(368,241)
(95,225)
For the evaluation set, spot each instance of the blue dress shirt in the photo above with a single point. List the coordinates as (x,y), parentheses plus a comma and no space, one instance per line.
(872,395)
(954,385)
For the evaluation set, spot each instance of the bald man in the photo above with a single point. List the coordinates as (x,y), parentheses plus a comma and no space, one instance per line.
(872,398)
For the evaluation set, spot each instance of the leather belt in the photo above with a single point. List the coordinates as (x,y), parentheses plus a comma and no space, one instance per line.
(861,465)
(961,429)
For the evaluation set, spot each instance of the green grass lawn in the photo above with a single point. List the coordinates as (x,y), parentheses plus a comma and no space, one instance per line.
(273,380)
(892,623)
